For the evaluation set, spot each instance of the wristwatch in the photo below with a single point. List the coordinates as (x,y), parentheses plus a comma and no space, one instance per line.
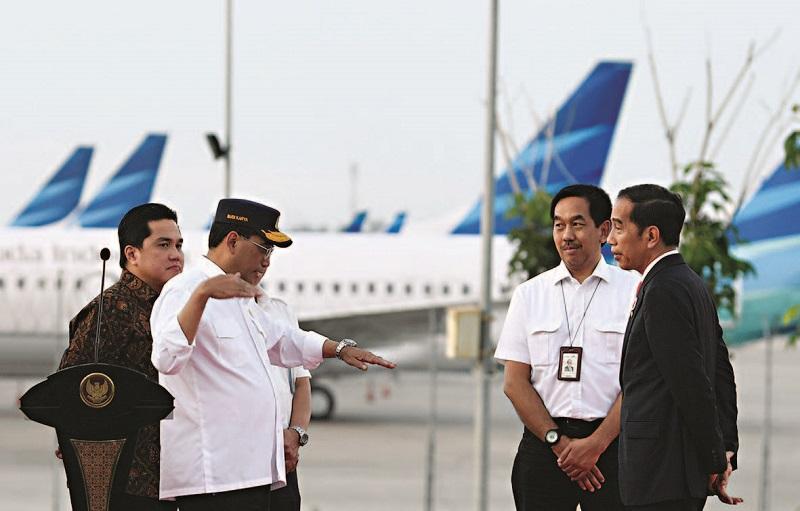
(344,343)
(552,437)
(302,433)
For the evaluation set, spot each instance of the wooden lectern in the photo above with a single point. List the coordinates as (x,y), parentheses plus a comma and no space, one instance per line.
(97,410)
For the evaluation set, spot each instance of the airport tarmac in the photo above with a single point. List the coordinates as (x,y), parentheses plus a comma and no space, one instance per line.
(373,454)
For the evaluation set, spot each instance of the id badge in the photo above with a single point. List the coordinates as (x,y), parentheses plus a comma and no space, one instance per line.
(569,363)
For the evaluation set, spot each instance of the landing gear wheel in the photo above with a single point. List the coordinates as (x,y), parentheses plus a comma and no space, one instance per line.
(322,402)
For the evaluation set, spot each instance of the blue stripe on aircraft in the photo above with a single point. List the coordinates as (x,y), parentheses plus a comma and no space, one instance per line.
(578,147)
(397,225)
(774,210)
(60,196)
(130,186)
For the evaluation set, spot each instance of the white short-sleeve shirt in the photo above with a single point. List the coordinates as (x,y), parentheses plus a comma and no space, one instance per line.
(536,328)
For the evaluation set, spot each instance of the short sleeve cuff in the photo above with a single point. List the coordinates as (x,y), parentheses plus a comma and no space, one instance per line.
(505,354)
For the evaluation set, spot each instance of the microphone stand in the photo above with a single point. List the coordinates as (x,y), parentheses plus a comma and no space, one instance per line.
(104,255)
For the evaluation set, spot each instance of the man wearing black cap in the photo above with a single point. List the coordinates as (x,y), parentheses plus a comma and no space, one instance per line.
(213,345)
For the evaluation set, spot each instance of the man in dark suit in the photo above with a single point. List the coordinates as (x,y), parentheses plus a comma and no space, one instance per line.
(678,435)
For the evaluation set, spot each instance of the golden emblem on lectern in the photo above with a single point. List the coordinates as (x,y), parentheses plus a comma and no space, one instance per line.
(96,390)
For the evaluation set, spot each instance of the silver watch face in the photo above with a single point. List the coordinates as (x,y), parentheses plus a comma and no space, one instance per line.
(551,436)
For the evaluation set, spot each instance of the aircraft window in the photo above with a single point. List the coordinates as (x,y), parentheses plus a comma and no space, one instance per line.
(428,289)
(300,287)
(21,283)
(281,286)
(2,284)
(59,283)
(336,288)
(318,287)
(42,283)
(353,287)
(445,289)
(78,284)
(409,289)
(389,289)
(371,288)
(465,289)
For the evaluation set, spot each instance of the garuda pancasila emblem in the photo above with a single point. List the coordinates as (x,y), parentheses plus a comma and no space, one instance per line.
(96,390)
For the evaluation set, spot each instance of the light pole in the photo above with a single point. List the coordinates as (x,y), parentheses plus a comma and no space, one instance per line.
(487,232)
(219,149)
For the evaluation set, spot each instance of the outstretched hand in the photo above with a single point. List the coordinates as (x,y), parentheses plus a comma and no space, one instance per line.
(360,359)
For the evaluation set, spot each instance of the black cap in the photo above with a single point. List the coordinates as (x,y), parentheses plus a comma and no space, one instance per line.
(262,219)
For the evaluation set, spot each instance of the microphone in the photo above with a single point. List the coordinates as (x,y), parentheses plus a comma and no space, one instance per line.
(105,254)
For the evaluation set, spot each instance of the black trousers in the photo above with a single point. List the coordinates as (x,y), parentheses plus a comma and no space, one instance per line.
(288,497)
(539,484)
(247,499)
(671,505)
(127,502)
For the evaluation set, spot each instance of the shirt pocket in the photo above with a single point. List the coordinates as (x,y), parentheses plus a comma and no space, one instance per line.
(610,335)
(543,343)
(230,342)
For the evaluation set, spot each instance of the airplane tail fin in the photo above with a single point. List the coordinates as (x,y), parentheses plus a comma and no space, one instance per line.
(774,210)
(397,224)
(572,147)
(130,186)
(357,223)
(60,196)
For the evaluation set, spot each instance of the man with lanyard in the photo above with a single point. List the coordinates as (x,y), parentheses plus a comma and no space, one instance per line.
(150,247)
(293,389)
(561,345)
(213,345)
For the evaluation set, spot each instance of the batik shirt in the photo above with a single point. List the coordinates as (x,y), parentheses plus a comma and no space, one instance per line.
(125,340)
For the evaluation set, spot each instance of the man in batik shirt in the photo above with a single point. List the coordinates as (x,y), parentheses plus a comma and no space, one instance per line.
(151,253)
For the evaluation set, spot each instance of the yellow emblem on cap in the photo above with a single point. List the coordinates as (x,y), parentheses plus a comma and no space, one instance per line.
(276,236)
(238,218)
(96,390)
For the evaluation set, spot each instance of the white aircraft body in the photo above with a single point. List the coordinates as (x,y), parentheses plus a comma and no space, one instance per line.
(364,286)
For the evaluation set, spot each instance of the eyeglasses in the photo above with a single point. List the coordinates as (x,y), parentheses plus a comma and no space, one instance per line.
(266,251)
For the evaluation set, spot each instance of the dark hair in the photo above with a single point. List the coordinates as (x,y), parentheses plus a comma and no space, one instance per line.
(599,202)
(655,205)
(134,228)
(219,230)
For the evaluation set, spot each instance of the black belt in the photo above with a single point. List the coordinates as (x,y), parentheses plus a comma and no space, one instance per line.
(573,428)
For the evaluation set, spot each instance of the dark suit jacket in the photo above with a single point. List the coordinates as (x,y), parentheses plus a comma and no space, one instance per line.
(678,393)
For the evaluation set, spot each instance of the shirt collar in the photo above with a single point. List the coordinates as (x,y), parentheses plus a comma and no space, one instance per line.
(601,271)
(209,267)
(657,259)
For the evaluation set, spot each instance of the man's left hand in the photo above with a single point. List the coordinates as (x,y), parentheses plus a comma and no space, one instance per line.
(719,484)
(359,358)
(579,457)
(291,449)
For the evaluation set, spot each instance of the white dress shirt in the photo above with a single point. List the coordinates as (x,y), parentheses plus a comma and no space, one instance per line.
(226,432)
(277,309)
(535,329)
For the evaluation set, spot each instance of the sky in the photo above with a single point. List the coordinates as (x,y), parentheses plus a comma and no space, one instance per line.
(396,88)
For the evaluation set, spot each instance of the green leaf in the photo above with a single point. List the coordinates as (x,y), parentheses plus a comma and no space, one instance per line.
(792,149)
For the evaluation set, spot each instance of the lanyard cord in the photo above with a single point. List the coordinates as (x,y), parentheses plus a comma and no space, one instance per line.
(570,337)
